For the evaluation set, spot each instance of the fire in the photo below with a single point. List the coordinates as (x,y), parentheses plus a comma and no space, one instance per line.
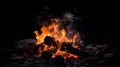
(57,31)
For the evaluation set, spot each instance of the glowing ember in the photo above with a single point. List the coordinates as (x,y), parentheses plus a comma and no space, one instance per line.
(60,33)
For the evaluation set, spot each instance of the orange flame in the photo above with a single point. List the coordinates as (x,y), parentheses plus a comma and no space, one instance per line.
(54,31)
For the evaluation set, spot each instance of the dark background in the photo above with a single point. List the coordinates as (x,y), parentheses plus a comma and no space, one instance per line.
(100,20)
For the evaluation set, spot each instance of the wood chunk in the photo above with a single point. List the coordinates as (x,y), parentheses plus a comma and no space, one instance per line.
(50,41)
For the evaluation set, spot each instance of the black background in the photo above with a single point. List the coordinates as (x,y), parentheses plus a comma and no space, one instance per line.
(100,20)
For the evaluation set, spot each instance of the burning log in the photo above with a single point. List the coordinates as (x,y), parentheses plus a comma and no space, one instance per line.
(50,41)
(75,51)
(51,46)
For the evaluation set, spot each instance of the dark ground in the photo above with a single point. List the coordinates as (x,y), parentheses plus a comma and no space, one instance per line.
(100,24)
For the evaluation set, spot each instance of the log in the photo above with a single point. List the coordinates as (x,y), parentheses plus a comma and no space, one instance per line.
(72,50)
(50,41)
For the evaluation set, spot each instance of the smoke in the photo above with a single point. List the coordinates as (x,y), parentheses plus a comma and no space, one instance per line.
(69,16)
(71,27)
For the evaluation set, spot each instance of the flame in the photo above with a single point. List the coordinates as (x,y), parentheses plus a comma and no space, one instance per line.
(59,34)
